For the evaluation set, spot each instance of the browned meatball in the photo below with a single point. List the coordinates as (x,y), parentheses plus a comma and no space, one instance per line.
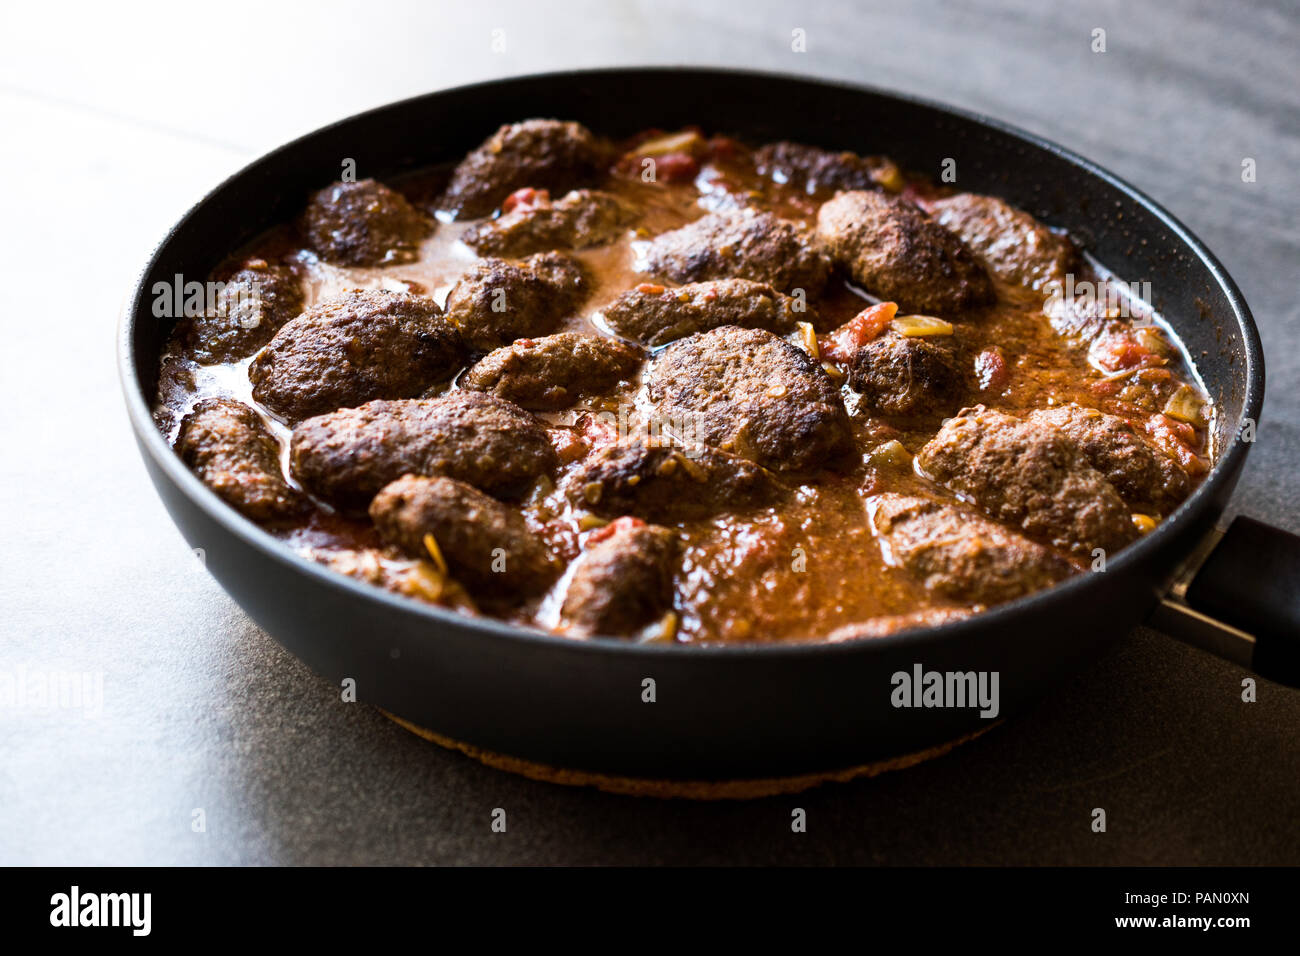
(363,224)
(1144,476)
(753,394)
(485,544)
(623,581)
(745,244)
(580,219)
(417,579)
(255,301)
(902,375)
(228,447)
(655,316)
(497,301)
(893,623)
(814,169)
(543,153)
(1013,244)
(347,456)
(354,348)
(551,373)
(960,554)
(669,483)
(897,252)
(1029,475)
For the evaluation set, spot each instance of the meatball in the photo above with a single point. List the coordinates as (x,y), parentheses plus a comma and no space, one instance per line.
(959,554)
(669,483)
(345,457)
(623,581)
(485,544)
(363,224)
(813,169)
(745,244)
(578,220)
(497,301)
(897,252)
(254,302)
(906,375)
(354,348)
(753,394)
(1144,476)
(1029,475)
(551,373)
(1013,244)
(229,448)
(413,579)
(543,153)
(655,316)
(893,623)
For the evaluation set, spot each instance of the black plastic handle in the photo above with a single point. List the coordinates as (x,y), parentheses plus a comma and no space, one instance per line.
(1251,580)
(1238,596)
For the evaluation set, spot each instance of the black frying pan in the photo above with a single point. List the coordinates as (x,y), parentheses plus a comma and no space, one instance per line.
(729,713)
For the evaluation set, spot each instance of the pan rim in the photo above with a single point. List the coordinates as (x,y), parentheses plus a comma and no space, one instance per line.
(1223,471)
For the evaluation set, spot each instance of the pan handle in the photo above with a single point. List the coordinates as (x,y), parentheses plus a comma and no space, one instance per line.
(1238,596)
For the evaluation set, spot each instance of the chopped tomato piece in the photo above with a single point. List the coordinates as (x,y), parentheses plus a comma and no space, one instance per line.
(840,345)
(1120,351)
(569,445)
(618,524)
(1177,440)
(528,196)
(676,167)
(597,430)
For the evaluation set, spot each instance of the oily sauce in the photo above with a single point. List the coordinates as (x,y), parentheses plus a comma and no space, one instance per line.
(793,572)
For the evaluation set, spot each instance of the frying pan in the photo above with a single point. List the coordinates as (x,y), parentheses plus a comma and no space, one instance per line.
(737,713)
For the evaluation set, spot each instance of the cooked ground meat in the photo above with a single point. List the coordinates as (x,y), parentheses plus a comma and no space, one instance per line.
(753,394)
(360,346)
(1144,476)
(228,447)
(543,153)
(744,244)
(363,224)
(486,545)
(897,252)
(1013,244)
(582,218)
(255,301)
(623,581)
(960,554)
(497,301)
(415,579)
(908,375)
(668,483)
(813,169)
(1029,475)
(553,372)
(893,623)
(655,316)
(345,457)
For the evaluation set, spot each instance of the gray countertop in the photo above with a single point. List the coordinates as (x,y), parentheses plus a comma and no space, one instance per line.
(117,119)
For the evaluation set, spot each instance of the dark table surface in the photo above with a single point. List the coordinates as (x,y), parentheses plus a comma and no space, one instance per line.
(119,118)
